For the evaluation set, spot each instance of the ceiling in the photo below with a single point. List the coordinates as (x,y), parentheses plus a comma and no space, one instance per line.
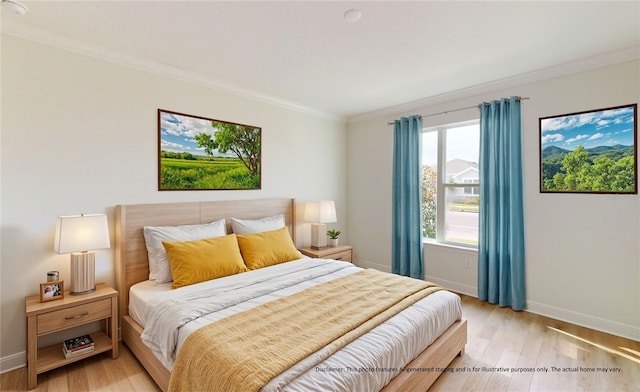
(305,55)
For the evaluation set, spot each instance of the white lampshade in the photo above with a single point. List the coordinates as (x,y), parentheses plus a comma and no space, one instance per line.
(320,211)
(81,233)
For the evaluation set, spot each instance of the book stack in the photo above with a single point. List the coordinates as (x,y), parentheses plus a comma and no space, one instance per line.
(77,346)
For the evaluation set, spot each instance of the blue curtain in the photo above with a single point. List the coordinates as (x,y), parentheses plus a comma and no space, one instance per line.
(501,264)
(407,223)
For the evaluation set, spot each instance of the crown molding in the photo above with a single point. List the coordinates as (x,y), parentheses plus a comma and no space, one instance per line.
(587,64)
(24,31)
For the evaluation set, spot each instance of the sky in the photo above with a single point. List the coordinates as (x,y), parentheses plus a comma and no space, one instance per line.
(177,133)
(462,143)
(598,128)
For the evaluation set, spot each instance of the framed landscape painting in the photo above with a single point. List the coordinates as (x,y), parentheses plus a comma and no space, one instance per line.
(590,152)
(198,153)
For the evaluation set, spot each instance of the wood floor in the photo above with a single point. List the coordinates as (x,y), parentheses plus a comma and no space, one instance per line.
(497,338)
(553,355)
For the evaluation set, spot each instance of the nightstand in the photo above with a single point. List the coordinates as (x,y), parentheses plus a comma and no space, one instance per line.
(342,252)
(44,318)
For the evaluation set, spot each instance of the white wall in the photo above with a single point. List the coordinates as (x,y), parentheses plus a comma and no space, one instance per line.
(582,252)
(80,135)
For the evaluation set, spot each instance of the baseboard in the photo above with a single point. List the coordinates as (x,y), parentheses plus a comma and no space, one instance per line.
(13,361)
(368,264)
(584,320)
(454,286)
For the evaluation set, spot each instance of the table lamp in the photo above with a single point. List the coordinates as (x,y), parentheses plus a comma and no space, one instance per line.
(319,213)
(80,235)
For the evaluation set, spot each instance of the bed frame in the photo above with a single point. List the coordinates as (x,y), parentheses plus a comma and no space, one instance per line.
(132,266)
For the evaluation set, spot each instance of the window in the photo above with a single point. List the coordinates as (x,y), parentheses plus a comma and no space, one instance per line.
(451,183)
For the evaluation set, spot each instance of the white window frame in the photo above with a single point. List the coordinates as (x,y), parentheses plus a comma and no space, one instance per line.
(442,185)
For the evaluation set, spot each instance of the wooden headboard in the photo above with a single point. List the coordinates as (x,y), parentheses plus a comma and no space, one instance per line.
(132,264)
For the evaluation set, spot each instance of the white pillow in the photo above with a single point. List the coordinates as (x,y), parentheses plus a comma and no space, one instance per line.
(159,269)
(252,226)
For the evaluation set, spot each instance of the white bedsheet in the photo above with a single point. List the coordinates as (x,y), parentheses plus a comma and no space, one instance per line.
(366,364)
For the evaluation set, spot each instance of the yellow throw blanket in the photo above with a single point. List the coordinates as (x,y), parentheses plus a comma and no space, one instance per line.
(244,351)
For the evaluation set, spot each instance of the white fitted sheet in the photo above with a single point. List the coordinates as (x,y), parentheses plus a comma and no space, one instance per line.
(366,364)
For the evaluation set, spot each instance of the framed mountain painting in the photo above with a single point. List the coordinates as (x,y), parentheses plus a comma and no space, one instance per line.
(590,152)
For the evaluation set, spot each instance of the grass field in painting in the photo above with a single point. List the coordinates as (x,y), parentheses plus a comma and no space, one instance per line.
(212,173)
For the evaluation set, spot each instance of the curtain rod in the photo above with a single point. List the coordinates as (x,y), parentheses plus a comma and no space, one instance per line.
(457,110)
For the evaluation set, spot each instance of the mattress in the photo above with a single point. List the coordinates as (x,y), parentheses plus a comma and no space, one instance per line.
(368,363)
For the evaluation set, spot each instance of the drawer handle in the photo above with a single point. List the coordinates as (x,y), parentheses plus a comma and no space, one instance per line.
(338,258)
(77,316)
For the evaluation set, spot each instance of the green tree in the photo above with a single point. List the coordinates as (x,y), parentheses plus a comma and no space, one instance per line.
(177,155)
(550,169)
(604,173)
(572,165)
(624,179)
(429,211)
(558,182)
(549,184)
(241,140)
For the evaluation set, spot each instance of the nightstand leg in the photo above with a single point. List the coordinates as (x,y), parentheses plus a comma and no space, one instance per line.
(113,322)
(32,353)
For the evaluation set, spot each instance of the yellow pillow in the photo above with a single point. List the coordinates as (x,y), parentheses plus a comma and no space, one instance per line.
(197,261)
(267,248)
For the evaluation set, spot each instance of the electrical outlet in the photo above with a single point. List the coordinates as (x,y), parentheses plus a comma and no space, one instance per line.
(467,263)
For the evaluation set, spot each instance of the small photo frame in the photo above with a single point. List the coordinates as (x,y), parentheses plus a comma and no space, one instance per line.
(51,291)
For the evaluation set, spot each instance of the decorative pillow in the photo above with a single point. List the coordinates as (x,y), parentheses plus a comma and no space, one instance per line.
(154,235)
(201,260)
(267,248)
(252,226)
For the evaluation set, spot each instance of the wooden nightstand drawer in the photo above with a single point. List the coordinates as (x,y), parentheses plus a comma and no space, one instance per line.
(75,315)
(343,256)
(342,252)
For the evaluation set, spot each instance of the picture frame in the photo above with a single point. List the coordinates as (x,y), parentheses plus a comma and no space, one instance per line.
(592,151)
(51,291)
(200,153)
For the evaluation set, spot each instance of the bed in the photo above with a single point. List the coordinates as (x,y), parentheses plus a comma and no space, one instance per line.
(420,370)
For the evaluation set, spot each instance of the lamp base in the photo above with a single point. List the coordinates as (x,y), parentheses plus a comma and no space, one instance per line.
(83,273)
(82,292)
(318,236)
